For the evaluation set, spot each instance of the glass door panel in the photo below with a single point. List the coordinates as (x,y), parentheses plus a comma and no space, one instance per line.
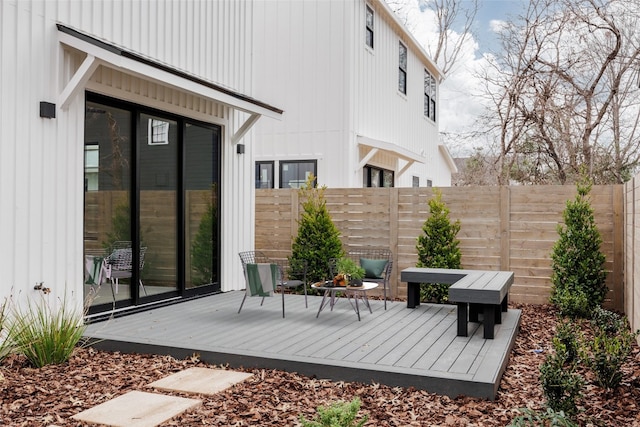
(158,204)
(201,206)
(107,213)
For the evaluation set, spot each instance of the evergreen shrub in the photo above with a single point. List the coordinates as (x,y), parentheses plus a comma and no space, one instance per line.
(438,247)
(561,384)
(340,414)
(578,277)
(318,239)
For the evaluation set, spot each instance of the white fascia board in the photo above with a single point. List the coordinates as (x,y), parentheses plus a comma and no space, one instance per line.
(446,155)
(150,72)
(394,150)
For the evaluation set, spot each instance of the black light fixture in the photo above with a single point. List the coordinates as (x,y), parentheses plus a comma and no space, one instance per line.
(47,110)
(240,148)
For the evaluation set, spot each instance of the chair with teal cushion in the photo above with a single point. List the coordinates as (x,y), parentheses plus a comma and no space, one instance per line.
(377,264)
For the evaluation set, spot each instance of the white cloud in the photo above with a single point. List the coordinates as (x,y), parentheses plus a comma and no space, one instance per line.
(460,103)
(497,25)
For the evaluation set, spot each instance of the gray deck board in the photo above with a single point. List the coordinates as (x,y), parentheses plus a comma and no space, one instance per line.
(399,347)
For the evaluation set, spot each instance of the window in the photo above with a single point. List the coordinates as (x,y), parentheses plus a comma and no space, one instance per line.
(402,71)
(264,175)
(91,166)
(416,182)
(429,96)
(158,132)
(377,177)
(295,173)
(429,183)
(369,28)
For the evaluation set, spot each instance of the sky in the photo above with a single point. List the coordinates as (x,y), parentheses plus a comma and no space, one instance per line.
(460,104)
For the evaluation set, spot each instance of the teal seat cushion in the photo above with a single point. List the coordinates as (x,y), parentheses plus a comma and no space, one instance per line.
(373,268)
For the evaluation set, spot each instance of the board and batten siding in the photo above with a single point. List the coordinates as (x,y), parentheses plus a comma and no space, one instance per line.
(380,111)
(502,228)
(334,88)
(42,160)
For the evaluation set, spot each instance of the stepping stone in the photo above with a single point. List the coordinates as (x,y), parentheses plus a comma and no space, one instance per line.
(200,380)
(137,409)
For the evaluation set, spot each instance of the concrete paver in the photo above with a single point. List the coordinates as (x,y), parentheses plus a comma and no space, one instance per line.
(137,409)
(200,380)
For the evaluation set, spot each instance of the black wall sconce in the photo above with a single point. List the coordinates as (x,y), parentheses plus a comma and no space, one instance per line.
(47,110)
(240,148)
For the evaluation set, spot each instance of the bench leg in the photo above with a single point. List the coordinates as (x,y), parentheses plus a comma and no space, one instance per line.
(474,311)
(413,295)
(505,303)
(489,320)
(462,319)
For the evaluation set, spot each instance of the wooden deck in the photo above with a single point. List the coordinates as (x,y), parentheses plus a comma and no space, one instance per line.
(398,347)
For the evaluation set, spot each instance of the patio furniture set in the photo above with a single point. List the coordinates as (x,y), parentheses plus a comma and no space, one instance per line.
(475,292)
(264,276)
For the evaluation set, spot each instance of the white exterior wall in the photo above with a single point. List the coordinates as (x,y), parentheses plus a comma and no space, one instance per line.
(300,59)
(333,88)
(42,160)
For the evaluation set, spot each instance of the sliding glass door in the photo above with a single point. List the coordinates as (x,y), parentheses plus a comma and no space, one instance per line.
(151,205)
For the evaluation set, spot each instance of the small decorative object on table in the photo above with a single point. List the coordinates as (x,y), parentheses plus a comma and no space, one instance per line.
(348,273)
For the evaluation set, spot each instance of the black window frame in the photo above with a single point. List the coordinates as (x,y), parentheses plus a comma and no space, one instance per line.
(369,34)
(402,68)
(371,173)
(258,182)
(430,92)
(282,163)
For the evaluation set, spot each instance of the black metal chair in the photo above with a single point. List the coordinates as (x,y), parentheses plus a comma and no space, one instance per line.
(377,263)
(286,277)
(119,265)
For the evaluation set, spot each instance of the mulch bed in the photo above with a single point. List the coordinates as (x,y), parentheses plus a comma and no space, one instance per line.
(51,395)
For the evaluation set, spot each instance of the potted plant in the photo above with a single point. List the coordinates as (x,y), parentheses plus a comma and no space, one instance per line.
(348,272)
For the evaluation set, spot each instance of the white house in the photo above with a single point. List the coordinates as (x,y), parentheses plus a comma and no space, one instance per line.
(123,127)
(360,97)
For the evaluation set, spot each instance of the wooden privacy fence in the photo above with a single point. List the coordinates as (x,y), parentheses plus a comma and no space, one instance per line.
(502,228)
(632,242)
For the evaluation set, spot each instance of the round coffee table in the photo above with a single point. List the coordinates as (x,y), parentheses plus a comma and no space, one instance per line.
(357,292)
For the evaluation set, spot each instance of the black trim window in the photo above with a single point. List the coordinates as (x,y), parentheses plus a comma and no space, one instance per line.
(416,182)
(369,28)
(377,177)
(294,174)
(264,175)
(429,96)
(402,69)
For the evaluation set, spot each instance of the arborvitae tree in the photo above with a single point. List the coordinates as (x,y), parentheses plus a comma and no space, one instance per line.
(438,246)
(578,264)
(318,238)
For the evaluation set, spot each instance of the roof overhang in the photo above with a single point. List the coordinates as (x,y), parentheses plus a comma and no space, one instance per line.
(374,146)
(99,52)
(446,155)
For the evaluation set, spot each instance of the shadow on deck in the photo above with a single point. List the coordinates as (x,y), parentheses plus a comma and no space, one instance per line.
(397,347)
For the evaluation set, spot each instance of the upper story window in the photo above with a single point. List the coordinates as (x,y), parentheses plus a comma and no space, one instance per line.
(402,69)
(429,96)
(369,28)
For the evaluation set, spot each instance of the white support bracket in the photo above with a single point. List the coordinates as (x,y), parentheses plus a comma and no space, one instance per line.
(404,168)
(78,81)
(236,137)
(366,158)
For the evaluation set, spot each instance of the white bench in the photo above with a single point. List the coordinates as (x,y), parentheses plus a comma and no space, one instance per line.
(473,291)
